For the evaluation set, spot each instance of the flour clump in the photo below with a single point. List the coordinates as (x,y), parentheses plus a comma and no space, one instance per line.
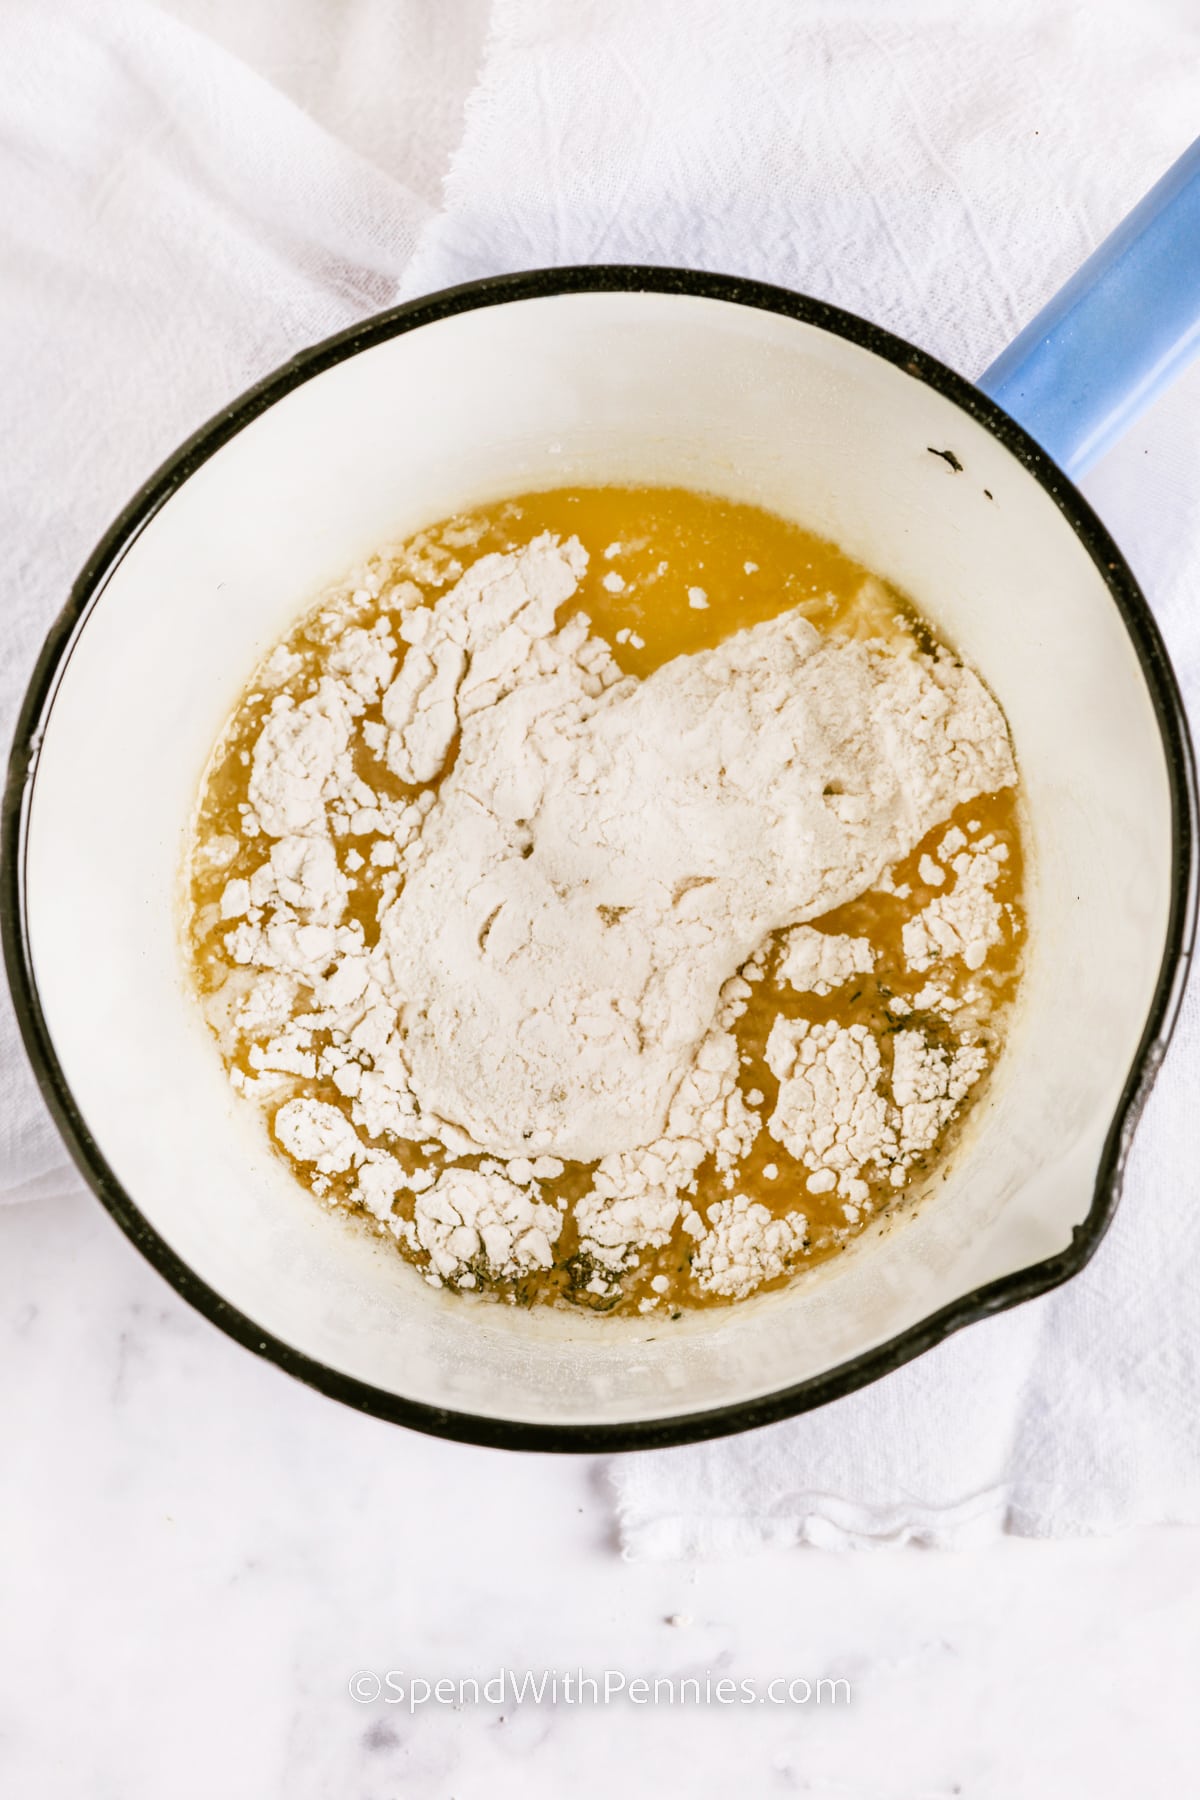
(606,852)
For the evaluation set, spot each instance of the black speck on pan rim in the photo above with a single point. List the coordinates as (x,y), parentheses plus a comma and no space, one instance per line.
(802,1397)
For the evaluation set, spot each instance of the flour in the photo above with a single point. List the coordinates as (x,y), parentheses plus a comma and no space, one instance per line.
(606,852)
(295,758)
(470,650)
(966,921)
(316,1133)
(928,1084)
(834,1113)
(746,1246)
(816,962)
(635,1197)
(579,874)
(470,1217)
(830,1115)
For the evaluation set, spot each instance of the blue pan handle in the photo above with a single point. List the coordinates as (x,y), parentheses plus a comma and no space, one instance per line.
(1120,330)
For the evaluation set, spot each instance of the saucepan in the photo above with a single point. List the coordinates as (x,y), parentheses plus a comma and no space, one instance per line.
(960,494)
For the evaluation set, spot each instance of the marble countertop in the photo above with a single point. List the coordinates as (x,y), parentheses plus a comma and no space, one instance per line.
(200,1556)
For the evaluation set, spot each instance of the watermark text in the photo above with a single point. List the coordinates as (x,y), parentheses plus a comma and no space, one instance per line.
(582,1687)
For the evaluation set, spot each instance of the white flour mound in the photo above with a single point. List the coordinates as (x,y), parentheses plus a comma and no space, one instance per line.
(605,853)
(562,920)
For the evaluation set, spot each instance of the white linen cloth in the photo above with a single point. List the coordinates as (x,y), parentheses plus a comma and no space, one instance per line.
(173,228)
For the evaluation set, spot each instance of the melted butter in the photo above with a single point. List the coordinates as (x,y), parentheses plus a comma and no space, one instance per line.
(670,572)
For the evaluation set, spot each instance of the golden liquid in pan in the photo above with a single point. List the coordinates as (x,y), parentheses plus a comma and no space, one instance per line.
(751,565)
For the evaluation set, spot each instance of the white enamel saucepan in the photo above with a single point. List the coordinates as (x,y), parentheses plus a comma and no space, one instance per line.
(591,375)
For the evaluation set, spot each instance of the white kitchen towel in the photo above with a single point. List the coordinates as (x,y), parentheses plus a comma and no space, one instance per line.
(171,228)
(388,78)
(940,169)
